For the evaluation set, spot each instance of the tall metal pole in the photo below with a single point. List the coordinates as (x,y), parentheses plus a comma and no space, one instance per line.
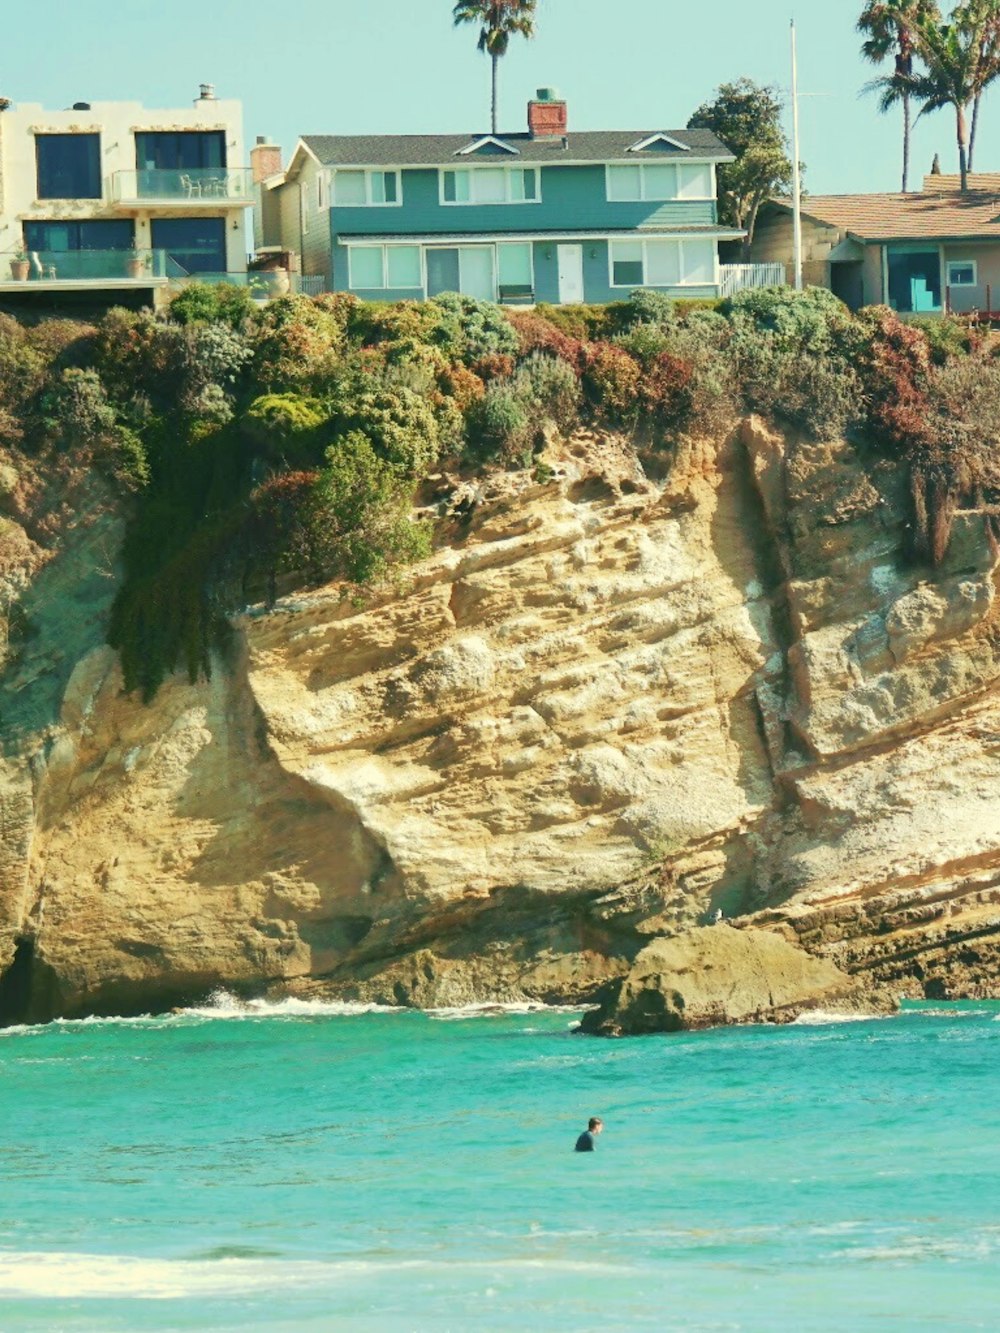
(796,174)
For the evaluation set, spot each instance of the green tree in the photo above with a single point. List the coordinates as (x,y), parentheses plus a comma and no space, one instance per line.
(747,118)
(889,29)
(499,21)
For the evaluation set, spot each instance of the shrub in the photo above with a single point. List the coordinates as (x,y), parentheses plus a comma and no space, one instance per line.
(399,424)
(213,303)
(611,382)
(498,366)
(135,353)
(549,390)
(650,307)
(286,423)
(76,410)
(582,322)
(500,425)
(667,391)
(947,337)
(537,334)
(895,365)
(362,511)
(468,330)
(298,345)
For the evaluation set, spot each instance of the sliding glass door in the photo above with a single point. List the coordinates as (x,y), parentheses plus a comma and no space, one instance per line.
(469,269)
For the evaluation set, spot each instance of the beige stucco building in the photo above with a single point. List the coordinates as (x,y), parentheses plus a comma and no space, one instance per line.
(115,198)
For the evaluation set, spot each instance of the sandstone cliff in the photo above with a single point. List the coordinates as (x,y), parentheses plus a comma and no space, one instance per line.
(606,706)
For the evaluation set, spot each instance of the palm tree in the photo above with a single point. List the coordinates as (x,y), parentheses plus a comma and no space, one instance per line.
(889,29)
(499,21)
(981,20)
(960,59)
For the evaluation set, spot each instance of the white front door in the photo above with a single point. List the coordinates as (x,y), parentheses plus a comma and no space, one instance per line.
(570,274)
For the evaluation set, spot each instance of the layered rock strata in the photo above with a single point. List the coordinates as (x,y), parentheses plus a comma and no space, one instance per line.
(604,708)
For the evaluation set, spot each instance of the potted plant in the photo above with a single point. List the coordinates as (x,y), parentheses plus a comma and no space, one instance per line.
(137,265)
(20,266)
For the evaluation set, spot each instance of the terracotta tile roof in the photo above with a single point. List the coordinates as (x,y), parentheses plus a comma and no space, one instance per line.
(902,217)
(979,180)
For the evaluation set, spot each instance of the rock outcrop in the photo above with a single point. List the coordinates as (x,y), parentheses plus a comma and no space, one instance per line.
(605,707)
(717,975)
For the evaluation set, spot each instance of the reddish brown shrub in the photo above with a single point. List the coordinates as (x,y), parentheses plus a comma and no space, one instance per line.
(666,389)
(894,366)
(496,366)
(611,381)
(464,386)
(536,334)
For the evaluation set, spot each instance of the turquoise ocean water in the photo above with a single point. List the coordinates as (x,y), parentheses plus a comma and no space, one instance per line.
(299,1168)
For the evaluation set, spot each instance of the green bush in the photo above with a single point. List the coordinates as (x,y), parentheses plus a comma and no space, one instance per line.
(399,424)
(76,410)
(288,425)
(500,425)
(469,330)
(947,337)
(213,303)
(651,307)
(298,345)
(361,513)
(549,391)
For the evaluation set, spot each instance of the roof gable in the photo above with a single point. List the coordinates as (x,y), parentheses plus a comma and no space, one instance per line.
(658,143)
(488,146)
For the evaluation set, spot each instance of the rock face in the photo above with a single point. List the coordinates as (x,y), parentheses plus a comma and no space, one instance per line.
(711,976)
(606,706)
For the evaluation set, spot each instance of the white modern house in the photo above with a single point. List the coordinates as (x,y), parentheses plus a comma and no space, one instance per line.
(111,200)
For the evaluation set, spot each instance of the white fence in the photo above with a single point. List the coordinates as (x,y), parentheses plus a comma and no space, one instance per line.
(737,277)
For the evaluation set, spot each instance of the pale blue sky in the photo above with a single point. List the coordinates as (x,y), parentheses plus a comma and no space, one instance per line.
(357,66)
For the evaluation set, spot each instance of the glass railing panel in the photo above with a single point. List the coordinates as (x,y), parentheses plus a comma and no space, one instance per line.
(262,284)
(191,185)
(83,265)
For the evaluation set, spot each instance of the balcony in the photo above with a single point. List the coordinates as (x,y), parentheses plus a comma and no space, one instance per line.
(62,270)
(201,187)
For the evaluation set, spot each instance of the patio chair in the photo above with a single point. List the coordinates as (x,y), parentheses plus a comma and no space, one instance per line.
(191,187)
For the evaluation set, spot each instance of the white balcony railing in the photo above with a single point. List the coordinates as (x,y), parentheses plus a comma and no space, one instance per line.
(735,278)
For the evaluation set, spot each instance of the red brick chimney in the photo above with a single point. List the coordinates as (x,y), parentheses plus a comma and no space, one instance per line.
(265,159)
(547,118)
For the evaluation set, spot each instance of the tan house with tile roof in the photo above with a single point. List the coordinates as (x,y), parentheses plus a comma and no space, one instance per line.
(922,253)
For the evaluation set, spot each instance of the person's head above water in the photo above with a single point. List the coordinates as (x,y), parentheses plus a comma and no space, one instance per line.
(595,1124)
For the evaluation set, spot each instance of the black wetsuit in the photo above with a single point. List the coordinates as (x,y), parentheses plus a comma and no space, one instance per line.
(585,1143)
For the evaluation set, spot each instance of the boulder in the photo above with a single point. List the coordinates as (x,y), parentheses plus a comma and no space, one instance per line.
(714,976)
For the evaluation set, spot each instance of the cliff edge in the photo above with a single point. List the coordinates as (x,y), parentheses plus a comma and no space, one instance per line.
(604,708)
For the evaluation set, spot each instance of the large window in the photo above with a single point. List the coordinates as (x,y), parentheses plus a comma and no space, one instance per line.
(377,267)
(180,150)
(197,245)
(61,236)
(515,267)
(68,166)
(491,185)
(914,279)
(364,189)
(663,263)
(651,181)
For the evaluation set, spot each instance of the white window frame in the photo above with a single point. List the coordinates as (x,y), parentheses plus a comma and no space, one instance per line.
(369,172)
(644,242)
(962,263)
(402,245)
(675,198)
(475,203)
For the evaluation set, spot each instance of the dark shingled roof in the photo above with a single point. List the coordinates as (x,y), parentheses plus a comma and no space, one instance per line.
(434,150)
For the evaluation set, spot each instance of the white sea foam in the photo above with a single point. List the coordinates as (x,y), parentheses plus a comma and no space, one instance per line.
(497,1010)
(221,1004)
(63,1276)
(819,1018)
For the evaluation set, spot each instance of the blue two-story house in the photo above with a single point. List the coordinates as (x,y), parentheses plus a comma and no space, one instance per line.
(538,216)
